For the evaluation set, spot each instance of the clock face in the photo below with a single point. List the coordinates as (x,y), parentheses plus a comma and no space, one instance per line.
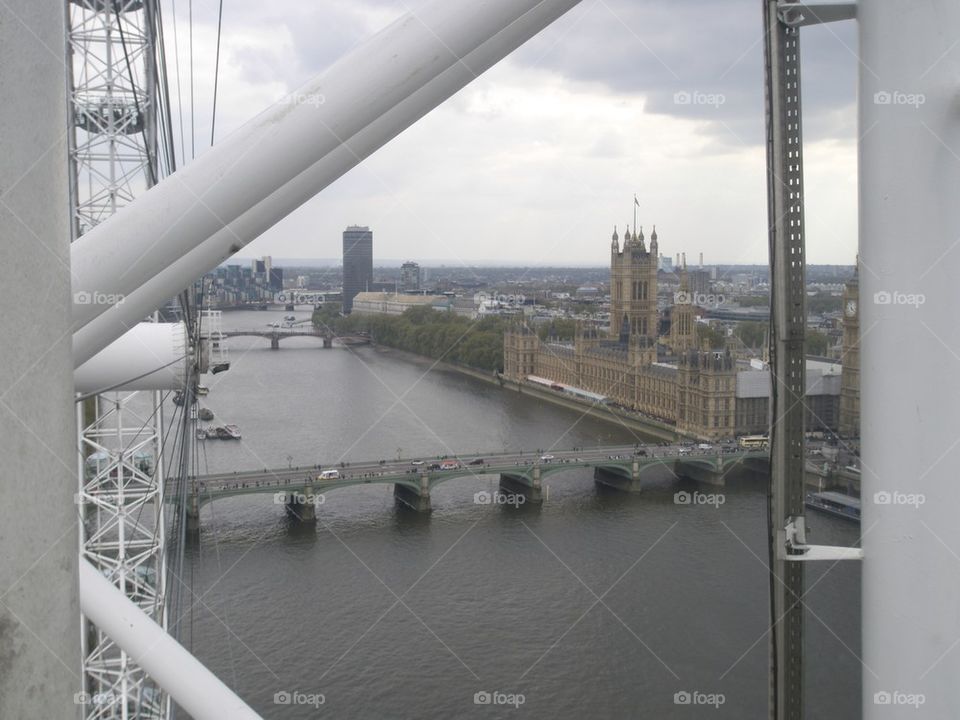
(851,308)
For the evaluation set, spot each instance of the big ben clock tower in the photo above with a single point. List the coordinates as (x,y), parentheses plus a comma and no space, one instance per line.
(850,362)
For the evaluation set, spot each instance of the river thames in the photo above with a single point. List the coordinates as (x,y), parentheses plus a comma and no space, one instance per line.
(598,604)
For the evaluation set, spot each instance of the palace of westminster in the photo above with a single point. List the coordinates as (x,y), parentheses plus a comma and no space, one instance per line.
(655,363)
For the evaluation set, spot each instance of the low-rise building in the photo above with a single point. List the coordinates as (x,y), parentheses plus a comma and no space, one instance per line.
(385,303)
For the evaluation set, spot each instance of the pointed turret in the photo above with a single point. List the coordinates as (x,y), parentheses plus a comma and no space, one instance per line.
(639,238)
(615,243)
(653,240)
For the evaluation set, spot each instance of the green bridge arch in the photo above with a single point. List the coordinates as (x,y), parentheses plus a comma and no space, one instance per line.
(629,468)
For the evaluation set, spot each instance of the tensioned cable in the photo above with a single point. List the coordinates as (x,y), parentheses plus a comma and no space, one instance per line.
(151,171)
(176,60)
(163,90)
(193,132)
(216,75)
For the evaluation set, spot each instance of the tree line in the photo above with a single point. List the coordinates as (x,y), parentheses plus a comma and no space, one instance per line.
(422,330)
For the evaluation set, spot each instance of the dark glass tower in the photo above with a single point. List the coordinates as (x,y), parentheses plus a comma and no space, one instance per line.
(357,263)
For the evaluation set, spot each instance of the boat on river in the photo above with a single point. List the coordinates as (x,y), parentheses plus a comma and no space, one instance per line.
(834,503)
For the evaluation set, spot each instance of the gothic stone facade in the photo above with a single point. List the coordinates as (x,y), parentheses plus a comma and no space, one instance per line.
(850,361)
(693,388)
(696,393)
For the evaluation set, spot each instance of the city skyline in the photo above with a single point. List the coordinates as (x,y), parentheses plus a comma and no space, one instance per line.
(542,155)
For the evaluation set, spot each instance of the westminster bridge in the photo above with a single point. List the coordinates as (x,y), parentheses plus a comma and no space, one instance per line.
(276,334)
(520,474)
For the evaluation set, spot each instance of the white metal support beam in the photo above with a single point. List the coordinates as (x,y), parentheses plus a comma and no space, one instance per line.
(112,101)
(799,14)
(210,209)
(787,326)
(39,608)
(193,686)
(909,181)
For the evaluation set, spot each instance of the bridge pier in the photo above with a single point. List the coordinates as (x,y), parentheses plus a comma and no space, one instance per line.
(683,468)
(274,342)
(193,514)
(415,498)
(520,484)
(327,341)
(619,479)
(302,505)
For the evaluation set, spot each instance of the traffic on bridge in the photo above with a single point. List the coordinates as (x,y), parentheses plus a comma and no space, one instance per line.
(520,471)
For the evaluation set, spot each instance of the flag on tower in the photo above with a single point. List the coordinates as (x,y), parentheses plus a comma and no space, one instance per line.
(635,201)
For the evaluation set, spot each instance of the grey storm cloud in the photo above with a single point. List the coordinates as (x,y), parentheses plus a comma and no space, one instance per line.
(693,59)
(699,59)
(652,65)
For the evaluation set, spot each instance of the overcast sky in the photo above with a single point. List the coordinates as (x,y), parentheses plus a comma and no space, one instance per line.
(537,160)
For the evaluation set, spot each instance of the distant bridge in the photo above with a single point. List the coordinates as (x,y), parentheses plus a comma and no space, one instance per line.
(275,335)
(521,473)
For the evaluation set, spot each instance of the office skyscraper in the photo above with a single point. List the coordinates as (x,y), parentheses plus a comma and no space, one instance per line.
(357,263)
(409,276)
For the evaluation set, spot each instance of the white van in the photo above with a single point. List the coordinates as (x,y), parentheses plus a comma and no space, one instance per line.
(329,475)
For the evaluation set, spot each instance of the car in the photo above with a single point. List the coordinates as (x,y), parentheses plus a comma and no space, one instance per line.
(478,461)
(434,466)
(449,465)
(546,458)
(416,462)
(705,446)
(641,453)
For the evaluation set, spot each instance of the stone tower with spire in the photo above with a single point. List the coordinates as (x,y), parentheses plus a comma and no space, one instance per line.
(706,391)
(850,360)
(633,287)
(683,334)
